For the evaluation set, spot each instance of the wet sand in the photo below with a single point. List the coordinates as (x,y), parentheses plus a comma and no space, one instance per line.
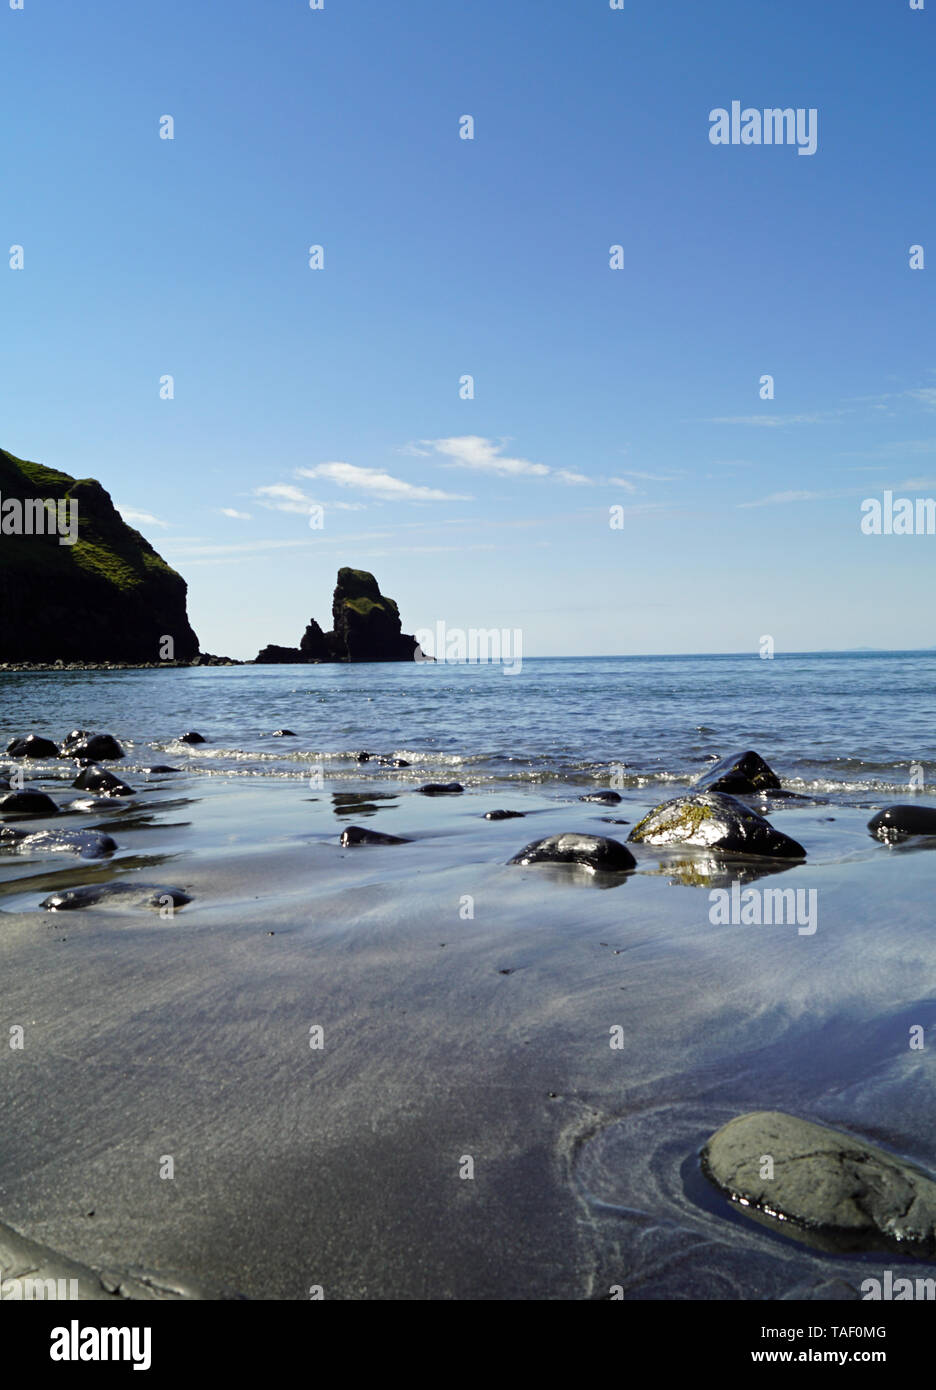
(447,1037)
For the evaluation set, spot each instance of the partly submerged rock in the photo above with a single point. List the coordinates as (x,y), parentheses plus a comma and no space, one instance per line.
(603,798)
(740,775)
(849,1194)
(712,820)
(899,822)
(92,748)
(358,835)
(441,789)
(192,737)
(32,746)
(282,733)
(101,782)
(122,895)
(27,803)
(504,815)
(589,851)
(90,844)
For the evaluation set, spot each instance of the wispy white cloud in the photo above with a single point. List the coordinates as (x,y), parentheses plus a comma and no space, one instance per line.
(624,483)
(484,456)
(133,517)
(238,516)
(573,476)
(776,498)
(378,484)
(283,497)
(817,417)
(650,477)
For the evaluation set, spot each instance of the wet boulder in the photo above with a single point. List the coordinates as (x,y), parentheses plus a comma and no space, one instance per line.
(192,736)
(593,852)
(602,798)
(89,844)
(101,782)
(282,733)
(740,775)
(120,895)
(714,821)
(504,815)
(27,803)
(842,1192)
(32,746)
(90,748)
(899,822)
(441,789)
(359,835)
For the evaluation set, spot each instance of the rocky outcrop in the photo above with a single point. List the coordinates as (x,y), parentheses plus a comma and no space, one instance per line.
(366,626)
(847,1192)
(107,597)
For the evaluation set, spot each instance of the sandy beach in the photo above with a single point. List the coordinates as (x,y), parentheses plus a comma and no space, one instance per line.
(517,1067)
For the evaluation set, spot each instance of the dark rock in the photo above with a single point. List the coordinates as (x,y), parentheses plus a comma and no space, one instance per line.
(92,748)
(283,733)
(366,623)
(590,851)
(504,815)
(160,767)
(365,627)
(192,737)
(363,757)
(279,656)
(841,1192)
(101,782)
(740,775)
(27,804)
(122,895)
(314,645)
(899,822)
(357,835)
(714,821)
(603,798)
(108,598)
(32,746)
(93,803)
(393,762)
(89,844)
(441,789)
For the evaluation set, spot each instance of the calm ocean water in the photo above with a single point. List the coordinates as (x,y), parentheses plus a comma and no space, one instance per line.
(836,722)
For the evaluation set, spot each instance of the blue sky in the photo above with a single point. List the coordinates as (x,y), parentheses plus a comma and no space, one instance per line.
(594,387)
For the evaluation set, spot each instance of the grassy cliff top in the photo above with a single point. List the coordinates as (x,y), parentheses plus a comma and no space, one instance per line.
(106,547)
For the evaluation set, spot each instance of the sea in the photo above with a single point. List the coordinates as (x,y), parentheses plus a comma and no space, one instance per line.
(846,723)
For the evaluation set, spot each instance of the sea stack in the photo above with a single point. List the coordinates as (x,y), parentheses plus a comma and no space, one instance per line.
(366,626)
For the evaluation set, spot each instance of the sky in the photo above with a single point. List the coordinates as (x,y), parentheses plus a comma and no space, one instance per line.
(636,386)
